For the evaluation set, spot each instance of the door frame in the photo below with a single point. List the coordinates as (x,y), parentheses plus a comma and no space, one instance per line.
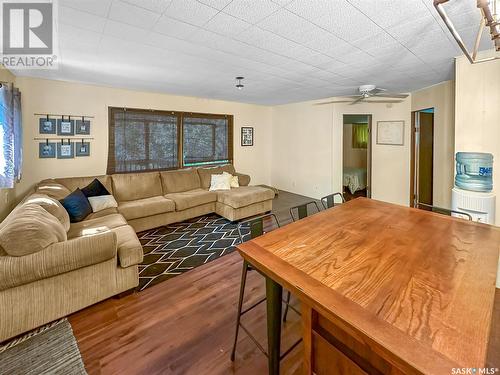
(414,154)
(369,149)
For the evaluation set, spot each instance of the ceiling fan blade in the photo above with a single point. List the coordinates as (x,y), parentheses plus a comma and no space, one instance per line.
(389,95)
(333,101)
(377,90)
(383,101)
(358,100)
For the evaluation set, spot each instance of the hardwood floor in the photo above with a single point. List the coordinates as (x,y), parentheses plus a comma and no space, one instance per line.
(186,325)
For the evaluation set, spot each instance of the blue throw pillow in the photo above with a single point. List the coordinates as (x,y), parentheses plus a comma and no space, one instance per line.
(95,189)
(77,205)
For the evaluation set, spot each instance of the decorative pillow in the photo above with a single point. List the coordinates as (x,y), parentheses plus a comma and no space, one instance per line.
(52,206)
(77,205)
(102,202)
(220,182)
(234,180)
(95,189)
(29,230)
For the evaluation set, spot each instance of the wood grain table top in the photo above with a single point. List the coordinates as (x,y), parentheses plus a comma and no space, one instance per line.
(413,283)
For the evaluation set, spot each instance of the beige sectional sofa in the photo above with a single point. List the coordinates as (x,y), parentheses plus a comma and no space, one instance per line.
(99,256)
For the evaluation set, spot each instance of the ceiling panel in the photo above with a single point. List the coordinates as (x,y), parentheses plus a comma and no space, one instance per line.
(132,15)
(225,24)
(157,6)
(83,20)
(251,11)
(175,28)
(191,11)
(124,31)
(96,7)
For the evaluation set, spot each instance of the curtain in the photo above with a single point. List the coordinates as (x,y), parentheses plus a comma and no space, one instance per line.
(10,136)
(360,135)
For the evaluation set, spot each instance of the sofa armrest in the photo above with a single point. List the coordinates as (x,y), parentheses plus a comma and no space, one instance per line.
(243,179)
(56,259)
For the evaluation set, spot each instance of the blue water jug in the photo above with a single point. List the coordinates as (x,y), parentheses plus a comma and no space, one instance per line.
(474,171)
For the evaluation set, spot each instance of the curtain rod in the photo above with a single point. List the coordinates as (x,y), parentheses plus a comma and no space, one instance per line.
(57,115)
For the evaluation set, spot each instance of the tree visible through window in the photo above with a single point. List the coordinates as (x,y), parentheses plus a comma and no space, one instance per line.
(144,140)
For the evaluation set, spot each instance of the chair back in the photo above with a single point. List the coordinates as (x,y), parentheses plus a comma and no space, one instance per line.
(256,226)
(445,211)
(329,200)
(302,211)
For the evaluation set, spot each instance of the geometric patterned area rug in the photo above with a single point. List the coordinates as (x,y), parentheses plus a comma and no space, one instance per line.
(179,247)
(50,349)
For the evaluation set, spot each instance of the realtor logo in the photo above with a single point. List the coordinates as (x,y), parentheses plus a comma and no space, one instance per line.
(28,34)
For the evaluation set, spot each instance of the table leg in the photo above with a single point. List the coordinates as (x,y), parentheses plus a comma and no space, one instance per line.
(274,293)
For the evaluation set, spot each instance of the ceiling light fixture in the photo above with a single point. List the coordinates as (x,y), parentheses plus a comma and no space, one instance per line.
(239,85)
(489,19)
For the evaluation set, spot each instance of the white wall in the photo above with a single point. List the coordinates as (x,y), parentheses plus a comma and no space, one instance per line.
(46,96)
(477,113)
(307,149)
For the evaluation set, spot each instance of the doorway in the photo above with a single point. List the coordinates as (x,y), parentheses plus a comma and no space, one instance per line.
(356,156)
(422,157)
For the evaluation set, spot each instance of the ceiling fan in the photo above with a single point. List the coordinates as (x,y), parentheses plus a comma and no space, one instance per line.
(370,91)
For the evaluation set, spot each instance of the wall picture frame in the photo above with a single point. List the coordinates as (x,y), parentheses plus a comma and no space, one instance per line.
(82,127)
(65,150)
(82,149)
(391,133)
(247,135)
(65,127)
(47,125)
(47,150)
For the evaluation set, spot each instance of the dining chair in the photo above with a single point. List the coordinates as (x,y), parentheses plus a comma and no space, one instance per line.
(445,211)
(255,227)
(329,200)
(302,210)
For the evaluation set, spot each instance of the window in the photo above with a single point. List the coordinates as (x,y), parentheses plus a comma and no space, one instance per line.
(10,136)
(144,140)
(360,135)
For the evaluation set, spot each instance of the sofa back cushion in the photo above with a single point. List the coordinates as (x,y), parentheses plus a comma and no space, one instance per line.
(30,229)
(133,186)
(73,183)
(229,168)
(53,189)
(52,206)
(180,180)
(206,175)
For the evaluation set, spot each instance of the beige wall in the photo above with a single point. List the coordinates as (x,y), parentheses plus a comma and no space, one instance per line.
(7,196)
(352,157)
(477,113)
(441,97)
(46,96)
(307,149)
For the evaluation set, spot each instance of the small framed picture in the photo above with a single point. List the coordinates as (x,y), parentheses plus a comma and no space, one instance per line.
(47,126)
(390,133)
(65,127)
(246,136)
(46,150)
(66,150)
(82,127)
(82,148)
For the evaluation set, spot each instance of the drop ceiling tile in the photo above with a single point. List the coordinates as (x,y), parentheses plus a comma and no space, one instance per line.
(225,24)
(217,4)
(81,19)
(172,27)
(379,40)
(354,57)
(96,7)
(251,11)
(266,40)
(124,31)
(388,13)
(132,15)
(77,38)
(191,11)
(316,59)
(417,29)
(157,6)
(330,45)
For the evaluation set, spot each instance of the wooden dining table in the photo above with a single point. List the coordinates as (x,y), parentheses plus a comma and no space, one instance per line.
(383,288)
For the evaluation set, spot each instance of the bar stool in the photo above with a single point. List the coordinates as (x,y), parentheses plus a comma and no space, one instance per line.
(256,226)
(329,200)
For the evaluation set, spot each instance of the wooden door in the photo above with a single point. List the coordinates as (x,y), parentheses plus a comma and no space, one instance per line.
(425,157)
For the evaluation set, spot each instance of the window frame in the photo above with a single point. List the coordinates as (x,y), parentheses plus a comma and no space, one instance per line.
(111,165)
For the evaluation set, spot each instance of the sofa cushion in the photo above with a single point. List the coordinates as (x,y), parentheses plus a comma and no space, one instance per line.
(129,247)
(107,211)
(244,196)
(206,175)
(52,206)
(97,225)
(228,168)
(30,229)
(53,189)
(95,189)
(73,183)
(77,205)
(192,198)
(180,180)
(145,207)
(133,186)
